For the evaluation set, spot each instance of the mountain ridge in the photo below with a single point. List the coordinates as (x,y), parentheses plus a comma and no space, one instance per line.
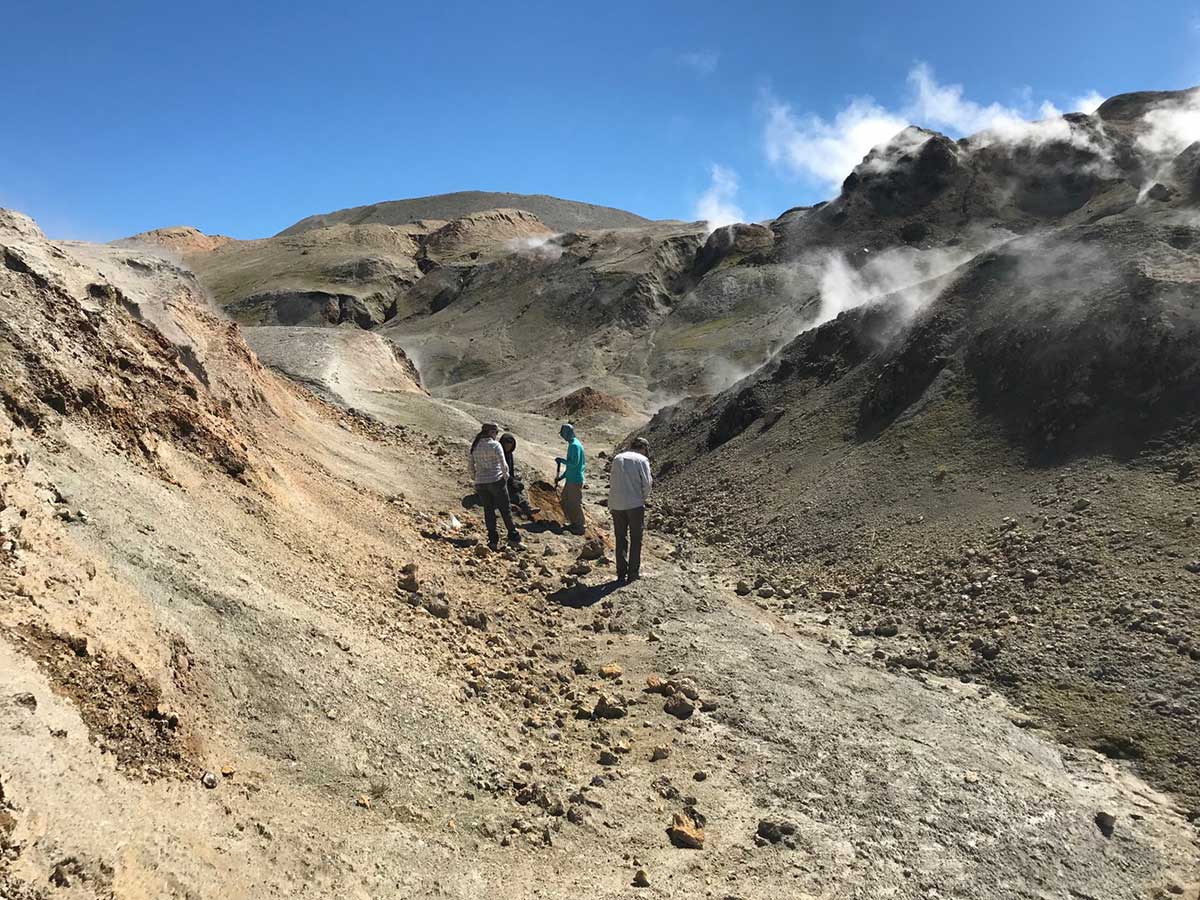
(557,213)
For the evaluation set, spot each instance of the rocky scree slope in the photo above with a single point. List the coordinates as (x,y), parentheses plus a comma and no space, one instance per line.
(242,623)
(965,471)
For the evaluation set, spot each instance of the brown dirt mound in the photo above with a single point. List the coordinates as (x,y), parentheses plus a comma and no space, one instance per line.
(122,710)
(181,239)
(544,495)
(589,401)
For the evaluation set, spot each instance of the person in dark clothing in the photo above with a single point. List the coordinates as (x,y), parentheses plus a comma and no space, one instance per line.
(489,470)
(516,486)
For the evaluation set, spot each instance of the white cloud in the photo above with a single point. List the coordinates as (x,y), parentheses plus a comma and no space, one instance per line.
(1088,103)
(703,62)
(717,206)
(826,151)
(943,106)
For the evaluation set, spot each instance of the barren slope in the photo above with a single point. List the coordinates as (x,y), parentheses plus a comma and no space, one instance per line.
(217,683)
(558,214)
(996,477)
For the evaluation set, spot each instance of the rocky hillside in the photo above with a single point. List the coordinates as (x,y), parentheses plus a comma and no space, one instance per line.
(973,333)
(251,644)
(558,214)
(519,308)
(968,467)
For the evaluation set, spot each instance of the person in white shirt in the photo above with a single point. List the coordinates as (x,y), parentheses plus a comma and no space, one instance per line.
(629,483)
(489,470)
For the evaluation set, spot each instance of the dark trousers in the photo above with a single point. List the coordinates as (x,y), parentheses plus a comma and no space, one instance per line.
(629,525)
(494,497)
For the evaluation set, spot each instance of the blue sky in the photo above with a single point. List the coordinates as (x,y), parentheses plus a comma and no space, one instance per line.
(242,118)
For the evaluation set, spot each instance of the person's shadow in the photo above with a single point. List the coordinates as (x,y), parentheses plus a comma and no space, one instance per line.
(461,542)
(541,526)
(581,596)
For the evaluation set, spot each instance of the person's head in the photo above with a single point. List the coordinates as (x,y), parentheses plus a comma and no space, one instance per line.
(567,432)
(640,445)
(508,442)
(487,431)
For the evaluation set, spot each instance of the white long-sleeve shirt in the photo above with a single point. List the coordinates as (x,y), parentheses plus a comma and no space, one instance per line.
(486,462)
(629,481)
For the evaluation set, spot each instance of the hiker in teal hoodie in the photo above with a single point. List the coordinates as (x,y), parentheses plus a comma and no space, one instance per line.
(572,492)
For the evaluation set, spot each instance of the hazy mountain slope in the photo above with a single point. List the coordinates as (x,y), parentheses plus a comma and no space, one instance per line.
(558,214)
(533,325)
(340,274)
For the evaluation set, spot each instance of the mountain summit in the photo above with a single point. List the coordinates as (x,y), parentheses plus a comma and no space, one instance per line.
(556,213)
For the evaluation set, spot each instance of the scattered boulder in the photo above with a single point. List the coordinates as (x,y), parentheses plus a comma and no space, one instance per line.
(656,685)
(476,618)
(1106,822)
(685,832)
(592,548)
(685,686)
(640,879)
(209,780)
(26,700)
(408,579)
(437,606)
(609,708)
(611,670)
(660,752)
(679,707)
(773,831)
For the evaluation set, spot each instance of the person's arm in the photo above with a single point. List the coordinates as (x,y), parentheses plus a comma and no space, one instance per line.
(647,480)
(575,458)
(503,463)
(471,465)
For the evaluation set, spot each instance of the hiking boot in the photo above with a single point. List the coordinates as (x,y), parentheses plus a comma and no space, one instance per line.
(494,543)
(515,539)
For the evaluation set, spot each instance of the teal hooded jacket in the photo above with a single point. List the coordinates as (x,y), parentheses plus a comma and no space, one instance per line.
(575,457)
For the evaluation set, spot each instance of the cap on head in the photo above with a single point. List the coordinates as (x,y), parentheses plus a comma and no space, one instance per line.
(567,432)
(640,445)
(489,428)
(508,441)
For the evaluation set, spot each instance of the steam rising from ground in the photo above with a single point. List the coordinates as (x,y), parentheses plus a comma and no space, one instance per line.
(717,205)
(1171,128)
(820,287)
(910,275)
(827,150)
(543,246)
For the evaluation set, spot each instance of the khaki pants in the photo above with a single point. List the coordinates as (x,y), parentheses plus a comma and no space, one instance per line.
(572,505)
(629,525)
